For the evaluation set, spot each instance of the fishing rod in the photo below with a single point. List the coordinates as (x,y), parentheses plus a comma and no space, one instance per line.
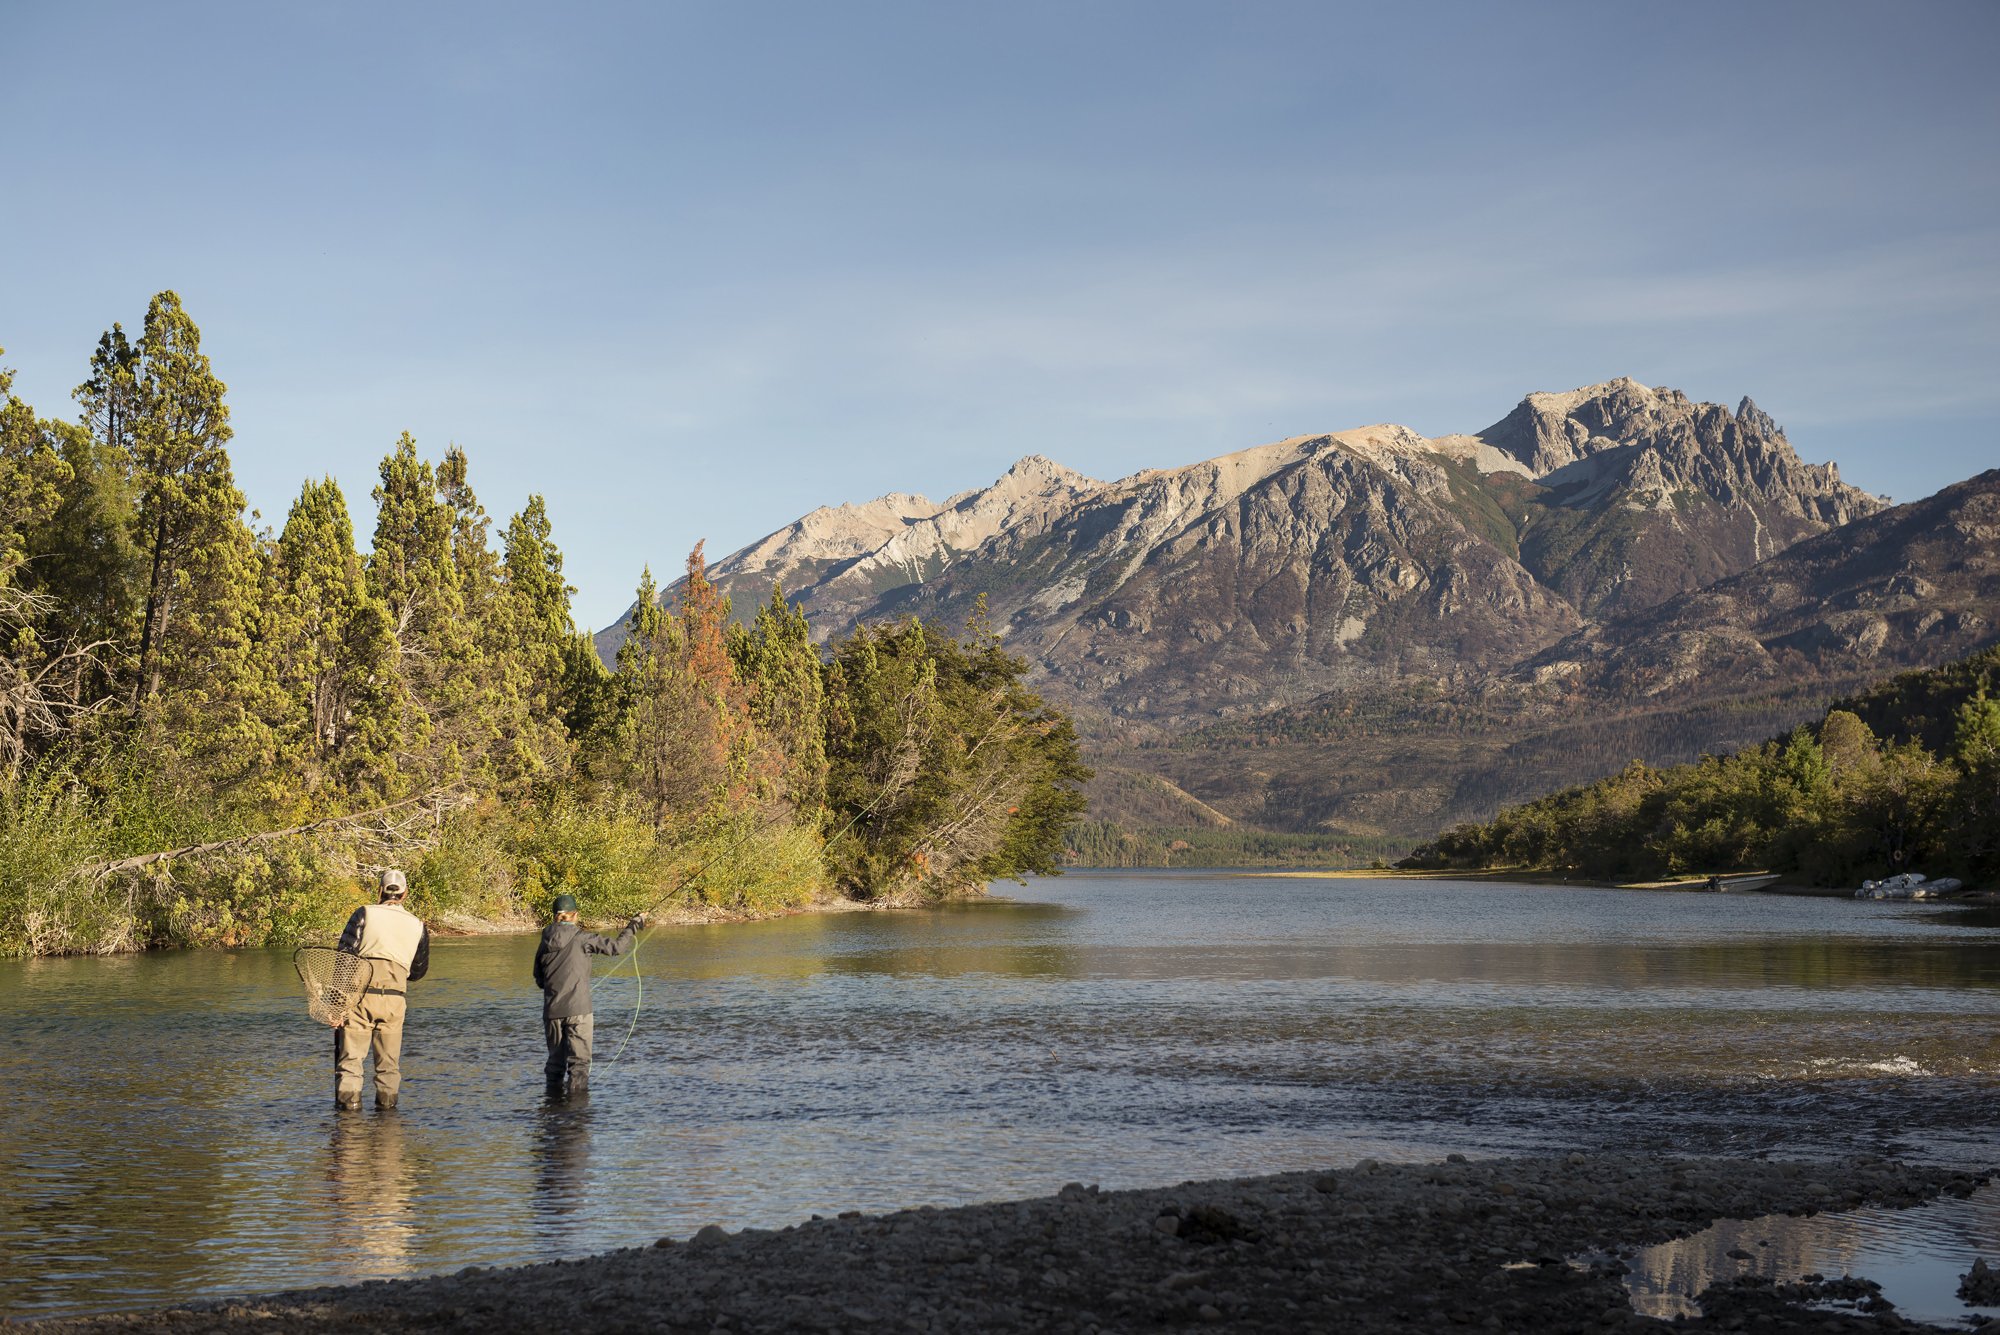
(638,988)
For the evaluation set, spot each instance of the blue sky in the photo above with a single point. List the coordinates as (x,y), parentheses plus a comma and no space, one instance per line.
(691,270)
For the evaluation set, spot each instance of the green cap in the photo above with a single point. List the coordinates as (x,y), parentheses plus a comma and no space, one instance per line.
(565,904)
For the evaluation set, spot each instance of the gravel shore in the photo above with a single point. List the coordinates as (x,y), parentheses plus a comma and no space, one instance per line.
(1479,1246)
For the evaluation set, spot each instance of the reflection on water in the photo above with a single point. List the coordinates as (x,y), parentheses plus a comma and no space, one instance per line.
(177,1139)
(371,1189)
(562,1161)
(1916,1255)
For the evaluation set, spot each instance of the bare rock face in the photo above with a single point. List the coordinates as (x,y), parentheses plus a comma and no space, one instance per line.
(1911,586)
(1220,590)
(1647,494)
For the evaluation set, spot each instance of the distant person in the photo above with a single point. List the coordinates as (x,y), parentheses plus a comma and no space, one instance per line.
(562,971)
(397,946)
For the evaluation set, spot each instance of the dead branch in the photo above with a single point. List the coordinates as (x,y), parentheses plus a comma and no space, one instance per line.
(433,804)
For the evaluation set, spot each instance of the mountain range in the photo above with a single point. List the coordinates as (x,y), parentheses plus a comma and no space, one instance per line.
(1612,553)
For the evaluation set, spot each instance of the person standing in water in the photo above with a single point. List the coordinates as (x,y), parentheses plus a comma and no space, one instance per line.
(397,946)
(562,971)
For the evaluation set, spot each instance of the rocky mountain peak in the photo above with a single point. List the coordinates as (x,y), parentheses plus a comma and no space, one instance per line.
(1735,458)
(1756,419)
(1039,467)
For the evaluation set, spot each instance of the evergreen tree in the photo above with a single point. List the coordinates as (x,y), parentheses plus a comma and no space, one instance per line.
(337,661)
(543,638)
(682,737)
(589,691)
(500,737)
(188,504)
(412,574)
(82,556)
(944,770)
(110,396)
(33,474)
(209,725)
(780,666)
(722,744)
(641,749)
(1976,751)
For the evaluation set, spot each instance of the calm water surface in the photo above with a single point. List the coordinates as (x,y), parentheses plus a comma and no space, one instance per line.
(171,1135)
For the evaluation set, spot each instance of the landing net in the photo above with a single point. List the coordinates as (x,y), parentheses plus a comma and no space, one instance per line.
(334,980)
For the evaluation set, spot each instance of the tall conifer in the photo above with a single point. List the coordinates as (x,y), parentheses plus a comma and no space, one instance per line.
(780,666)
(337,661)
(188,502)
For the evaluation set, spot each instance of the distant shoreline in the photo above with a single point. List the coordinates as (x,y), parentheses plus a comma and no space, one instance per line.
(1684,885)
(1517,876)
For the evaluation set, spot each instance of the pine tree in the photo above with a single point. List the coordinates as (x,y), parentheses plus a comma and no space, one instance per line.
(722,743)
(210,724)
(589,694)
(500,738)
(411,573)
(637,749)
(944,770)
(33,474)
(337,662)
(541,636)
(110,397)
(188,503)
(82,556)
(781,669)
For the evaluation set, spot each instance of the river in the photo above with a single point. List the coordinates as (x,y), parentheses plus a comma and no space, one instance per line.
(170,1131)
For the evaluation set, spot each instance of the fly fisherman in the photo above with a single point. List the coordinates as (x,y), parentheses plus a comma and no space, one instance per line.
(562,971)
(397,946)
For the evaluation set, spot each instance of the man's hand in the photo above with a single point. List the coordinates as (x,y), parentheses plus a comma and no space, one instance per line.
(640,920)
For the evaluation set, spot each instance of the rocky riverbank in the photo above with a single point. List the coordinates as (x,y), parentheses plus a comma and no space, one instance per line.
(1479,1246)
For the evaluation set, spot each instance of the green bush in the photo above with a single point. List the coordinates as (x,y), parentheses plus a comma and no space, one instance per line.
(277,894)
(46,832)
(752,867)
(608,856)
(470,870)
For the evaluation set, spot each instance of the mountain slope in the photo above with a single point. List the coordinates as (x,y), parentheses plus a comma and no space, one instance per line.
(1642,494)
(1910,586)
(1713,670)
(1375,563)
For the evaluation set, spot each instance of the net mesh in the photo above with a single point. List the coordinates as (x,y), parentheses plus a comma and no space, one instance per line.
(334,980)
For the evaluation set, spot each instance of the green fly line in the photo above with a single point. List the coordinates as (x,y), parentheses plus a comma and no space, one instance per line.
(638,987)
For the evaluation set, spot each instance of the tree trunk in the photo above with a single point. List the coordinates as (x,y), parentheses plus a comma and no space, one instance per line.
(148,670)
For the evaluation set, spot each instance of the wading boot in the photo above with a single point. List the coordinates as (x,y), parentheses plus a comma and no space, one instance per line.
(555,1087)
(579,1084)
(383,1102)
(347,1102)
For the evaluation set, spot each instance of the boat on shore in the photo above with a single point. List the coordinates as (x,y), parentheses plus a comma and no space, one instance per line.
(1751,881)
(1910,885)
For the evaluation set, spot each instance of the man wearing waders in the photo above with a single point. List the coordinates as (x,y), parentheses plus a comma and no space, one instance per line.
(397,946)
(562,971)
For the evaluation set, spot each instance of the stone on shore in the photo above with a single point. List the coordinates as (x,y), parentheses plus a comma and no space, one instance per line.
(1478,1245)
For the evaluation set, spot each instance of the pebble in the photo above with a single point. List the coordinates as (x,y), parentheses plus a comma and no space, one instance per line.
(1409,1248)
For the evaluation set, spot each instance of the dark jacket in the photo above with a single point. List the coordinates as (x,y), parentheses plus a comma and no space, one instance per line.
(562,966)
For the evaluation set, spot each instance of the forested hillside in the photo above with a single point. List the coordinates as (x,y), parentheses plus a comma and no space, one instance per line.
(1905,777)
(211,734)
